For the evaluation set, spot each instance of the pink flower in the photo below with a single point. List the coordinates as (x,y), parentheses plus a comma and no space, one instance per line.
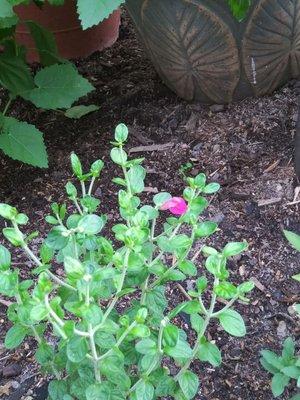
(176,205)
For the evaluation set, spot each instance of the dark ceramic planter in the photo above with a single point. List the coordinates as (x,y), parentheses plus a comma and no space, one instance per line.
(202,53)
(63,22)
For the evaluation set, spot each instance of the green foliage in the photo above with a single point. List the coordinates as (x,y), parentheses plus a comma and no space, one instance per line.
(91,12)
(284,368)
(56,86)
(103,349)
(239,8)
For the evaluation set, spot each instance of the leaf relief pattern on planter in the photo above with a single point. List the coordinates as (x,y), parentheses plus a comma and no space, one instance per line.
(272,44)
(203,53)
(194,49)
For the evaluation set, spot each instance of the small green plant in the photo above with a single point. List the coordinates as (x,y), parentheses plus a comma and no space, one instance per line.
(287,366)
(284,368)
(105,328)
(239,8)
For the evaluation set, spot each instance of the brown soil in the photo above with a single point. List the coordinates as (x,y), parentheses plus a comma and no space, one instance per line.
(247,147)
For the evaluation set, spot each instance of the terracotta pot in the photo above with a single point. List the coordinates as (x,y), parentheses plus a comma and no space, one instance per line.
(63,21)
(202,53)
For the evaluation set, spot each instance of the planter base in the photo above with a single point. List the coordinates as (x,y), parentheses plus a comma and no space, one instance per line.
(202,53)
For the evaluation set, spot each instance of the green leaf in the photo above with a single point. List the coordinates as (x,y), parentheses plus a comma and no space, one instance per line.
(78,112)
(188,268)
(181,350)
(160,198)
(15,336)
(293,238)
(206,229)
(45,44)
(44,353)
(209,352)
(38,312)
(15,75)
(226,290)
(211,188)
(197,322)
(5,258)
(279,382)
(146,346)
(57,389)
(7,211)
(272,358)
(234,248)
(239,8)
(103,391)
(170,335)
(56,239)
(58,86)
(23,142)
(121,133)
(77,349)
(136,176)
(118,156)
(141,331)
(7,16)
(91,224)
(189,384)
(292,372)
(232,323)
(73,268)
(144,390)
(268,367)
(92,12)
(288,349)
(15,237)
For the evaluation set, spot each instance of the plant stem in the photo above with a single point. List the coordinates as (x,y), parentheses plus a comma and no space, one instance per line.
(91,186)
(83,188)
(94,353)
(200,334)
(116,297)
(77,206)
(34,258)
(7,106)
(120,340)
(228,305)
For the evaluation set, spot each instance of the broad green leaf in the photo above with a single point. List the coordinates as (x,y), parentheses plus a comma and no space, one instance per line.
(23,142)
(73,268)
(44,353)
(209,352)
(288,348)
(234,248)
(279,382)
(189,384)
(233,323)
(226,290)
(7,16)
(206,229)
(77,349)
(136,176)
(272,358)
(45,44)
(91,224)
(103,391)
(121,133)
(15,336)
(292,372)
(170,335)
(58,86)
(160,198)
(7,211)
(181,350)
(5,258)
(144,391)
(146,346)
(268,367)
(57,389)
(197,322)
(15,75)
(293,238)
(78,112)
(15,237)
(56,239)
(92,12)
(118,156)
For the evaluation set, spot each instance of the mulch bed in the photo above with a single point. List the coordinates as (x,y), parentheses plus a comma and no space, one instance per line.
(246,147)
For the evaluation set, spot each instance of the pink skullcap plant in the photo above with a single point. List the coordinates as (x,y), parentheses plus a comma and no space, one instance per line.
(176,205)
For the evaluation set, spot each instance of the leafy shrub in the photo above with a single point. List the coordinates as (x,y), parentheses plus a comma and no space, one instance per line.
(105,329)
(287,366)
(283,368)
